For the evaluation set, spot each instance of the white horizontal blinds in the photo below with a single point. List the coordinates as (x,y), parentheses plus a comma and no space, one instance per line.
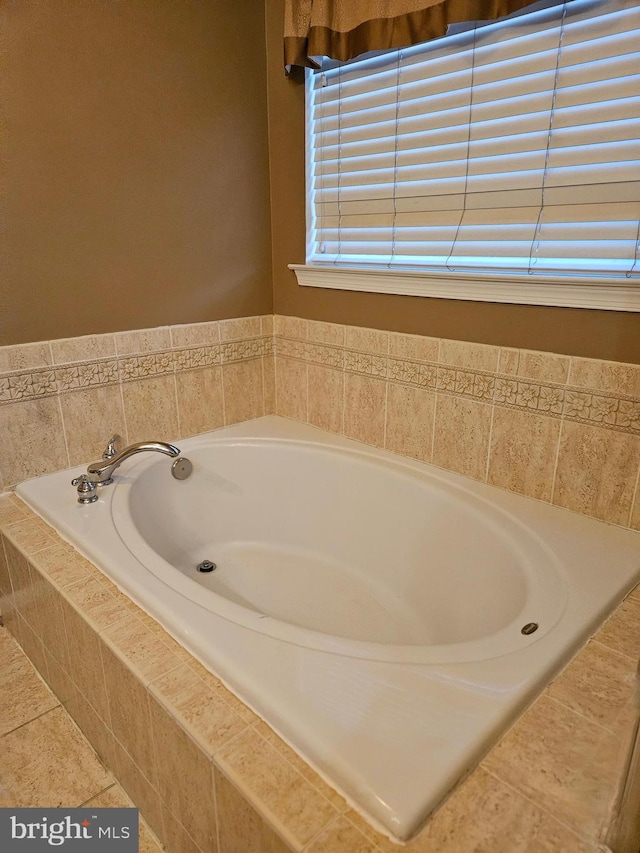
(544,176)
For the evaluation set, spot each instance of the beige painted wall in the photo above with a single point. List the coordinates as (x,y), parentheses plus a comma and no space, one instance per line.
(136,165)
(598,334)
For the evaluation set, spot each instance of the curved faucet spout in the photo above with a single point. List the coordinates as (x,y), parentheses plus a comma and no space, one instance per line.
(101,472)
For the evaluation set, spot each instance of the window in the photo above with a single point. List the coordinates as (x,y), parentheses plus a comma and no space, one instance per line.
(500,164)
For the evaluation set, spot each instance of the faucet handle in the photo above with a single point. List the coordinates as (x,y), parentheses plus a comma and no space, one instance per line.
(86,489)
(111,449)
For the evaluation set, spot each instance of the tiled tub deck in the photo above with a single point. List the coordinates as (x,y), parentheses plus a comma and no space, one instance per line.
(209,776)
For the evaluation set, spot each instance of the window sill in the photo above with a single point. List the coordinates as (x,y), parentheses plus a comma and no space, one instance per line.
(601,293)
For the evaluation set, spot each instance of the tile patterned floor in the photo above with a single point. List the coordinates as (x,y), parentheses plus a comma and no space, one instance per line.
(46,761)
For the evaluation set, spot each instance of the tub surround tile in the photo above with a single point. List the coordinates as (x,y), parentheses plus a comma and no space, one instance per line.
(523,452)
(599,684)
(543,366)
(291,327)
(461,436)
(93,727)
(63,565)
(84,348)
(216,686)
(33,440)
(365,409)
(553,756)
(605,376)
(177,839)
(25,356)
(200,708)
(115,798)
(89,418)
(469,355)
(243,391)
(508,359)
(367,340)
(96,602)
(48,764)
(141,648)
(269,384)
(621,631)
(240,827)
(85,660)
(143,340)
(291,389)
(140,790)
(200,400)
(326,397)
(150,409)
(410,419)
(293,806)
(240,328)
(597,471)
(195,334)
(23,694)
(326,333)
(343,836)
(185,778)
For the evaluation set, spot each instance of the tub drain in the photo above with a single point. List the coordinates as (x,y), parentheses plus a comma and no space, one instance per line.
(529,628)
(206,566)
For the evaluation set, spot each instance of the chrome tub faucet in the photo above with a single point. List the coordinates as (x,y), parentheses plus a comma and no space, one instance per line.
(101,473)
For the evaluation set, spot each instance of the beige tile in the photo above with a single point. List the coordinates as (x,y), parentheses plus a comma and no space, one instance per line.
(241,829)
(410,414)
(621,632)
(63,565)
(141,647)
(294,806)
(47,763)
(326,397)
(143,340)
(214,684)
(115,797)
(93,728)
(32,647)
(597,470)
(85,348)
(30,535)
(326,333)
(543,366)
(243,391)
(329,793)
(11,510)
(199,707)
(364,409)
(269,382)
(562,762)
(200,402)
(599,684)
(195,334)
(59,681)
(50,611)
(24,598)
(605,376)
(367,340)
(470,355)
(90,418)
(129,713)
(413,347)
(552,837)
(5,580)
(267,325)
(240,328)
(177,839)
(150,409)
(140,790)
(25,356)
(96,602)
(32,440)
(635,511)
(523,452)
(343,836)
(508,361)
(379,841)
(23,694)
(291,327)
(461,435)
(85,660)
(291,388)
(185,779)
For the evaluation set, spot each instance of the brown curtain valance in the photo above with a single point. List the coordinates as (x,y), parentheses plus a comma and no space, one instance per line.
(343,29)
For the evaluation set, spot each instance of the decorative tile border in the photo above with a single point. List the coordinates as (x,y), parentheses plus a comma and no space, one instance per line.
(618,412)
(16,386)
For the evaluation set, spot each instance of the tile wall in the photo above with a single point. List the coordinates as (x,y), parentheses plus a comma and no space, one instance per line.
(560,429)
(60,401)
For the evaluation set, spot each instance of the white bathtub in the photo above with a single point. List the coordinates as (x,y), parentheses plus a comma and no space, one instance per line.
(370,608)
